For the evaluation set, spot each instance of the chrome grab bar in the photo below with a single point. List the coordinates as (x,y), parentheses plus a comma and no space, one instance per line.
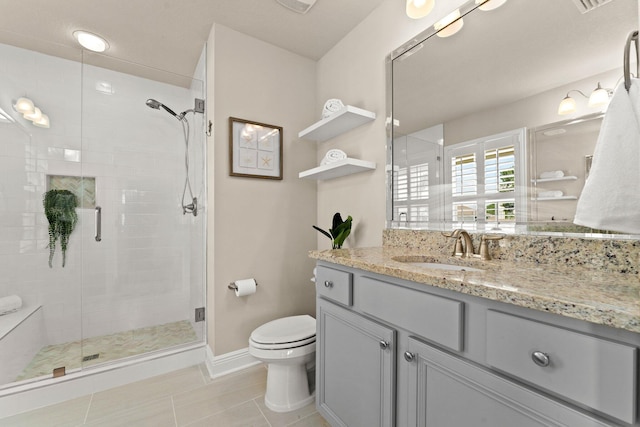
(98,217)
(632,38)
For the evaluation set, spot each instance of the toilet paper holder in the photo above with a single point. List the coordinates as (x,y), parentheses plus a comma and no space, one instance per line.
(234,287)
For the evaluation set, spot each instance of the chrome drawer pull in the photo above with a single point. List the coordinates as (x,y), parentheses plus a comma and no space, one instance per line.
(384,345)
(328,284)
(540,358)
(408,356)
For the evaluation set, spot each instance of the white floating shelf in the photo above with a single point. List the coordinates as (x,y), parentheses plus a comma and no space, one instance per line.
(544,199)
(340,122)
(564,178)
(337,169)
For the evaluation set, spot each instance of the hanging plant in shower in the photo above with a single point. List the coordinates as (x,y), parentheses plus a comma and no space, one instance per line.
(339,230)
(60,210)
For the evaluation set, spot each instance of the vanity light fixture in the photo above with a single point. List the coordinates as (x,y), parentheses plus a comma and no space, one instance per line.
(417,9)
(486,5)
(449,25)
(34,116)
(91,41)
(30,112)
(24,106)
(598,98)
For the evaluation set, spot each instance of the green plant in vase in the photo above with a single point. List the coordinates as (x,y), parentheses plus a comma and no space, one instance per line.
(339,230)
(60,210)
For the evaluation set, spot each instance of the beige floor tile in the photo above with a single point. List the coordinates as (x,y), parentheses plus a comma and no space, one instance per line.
(313,420)
(285,418)
(158,413)
(69,413)
(244,415)
(208,401)
(129,396)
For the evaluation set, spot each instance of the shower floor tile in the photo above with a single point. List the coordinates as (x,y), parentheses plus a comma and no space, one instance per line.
(109,348)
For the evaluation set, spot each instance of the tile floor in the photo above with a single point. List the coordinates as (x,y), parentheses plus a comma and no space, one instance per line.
(108,347)
(187,397)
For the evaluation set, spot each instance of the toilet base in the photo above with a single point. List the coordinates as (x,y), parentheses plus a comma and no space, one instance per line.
(287,387)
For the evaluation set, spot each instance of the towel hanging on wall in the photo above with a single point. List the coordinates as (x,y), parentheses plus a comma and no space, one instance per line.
(610,199)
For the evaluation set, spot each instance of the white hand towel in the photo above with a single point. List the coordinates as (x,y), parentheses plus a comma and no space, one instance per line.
(551,174)
(610,199)
(10,304)
(550,194)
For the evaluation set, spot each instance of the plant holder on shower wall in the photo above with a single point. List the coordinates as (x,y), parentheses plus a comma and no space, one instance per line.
(60,210)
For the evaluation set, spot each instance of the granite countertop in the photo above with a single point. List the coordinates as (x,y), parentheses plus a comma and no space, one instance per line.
(606,298)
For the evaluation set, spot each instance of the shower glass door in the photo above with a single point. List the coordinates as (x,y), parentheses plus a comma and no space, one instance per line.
(143,254)
(132,286)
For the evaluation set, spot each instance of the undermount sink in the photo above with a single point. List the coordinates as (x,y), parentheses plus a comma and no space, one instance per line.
(432,263)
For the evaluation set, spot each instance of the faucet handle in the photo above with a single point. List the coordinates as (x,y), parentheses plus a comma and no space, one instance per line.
(492,237)
(484,247)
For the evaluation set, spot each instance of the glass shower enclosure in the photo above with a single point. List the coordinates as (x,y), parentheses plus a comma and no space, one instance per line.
(130,281)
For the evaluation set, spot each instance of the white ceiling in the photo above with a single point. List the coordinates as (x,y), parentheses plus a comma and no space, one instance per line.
(170,35)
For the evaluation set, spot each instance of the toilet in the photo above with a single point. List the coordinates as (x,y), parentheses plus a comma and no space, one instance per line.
(287,346)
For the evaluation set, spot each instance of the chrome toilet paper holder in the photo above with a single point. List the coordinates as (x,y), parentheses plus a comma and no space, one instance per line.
(234,287)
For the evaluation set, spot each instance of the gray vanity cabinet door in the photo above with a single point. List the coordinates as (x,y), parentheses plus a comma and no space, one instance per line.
(355,368)
(446,391)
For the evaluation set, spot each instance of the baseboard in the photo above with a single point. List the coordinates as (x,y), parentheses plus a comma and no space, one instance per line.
(229,362)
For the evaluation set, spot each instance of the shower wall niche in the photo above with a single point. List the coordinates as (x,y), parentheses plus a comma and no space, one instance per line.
(134,291)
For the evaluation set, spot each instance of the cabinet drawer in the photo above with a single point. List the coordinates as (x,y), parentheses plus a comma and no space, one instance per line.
(434,318)
(335,285)
(591,371)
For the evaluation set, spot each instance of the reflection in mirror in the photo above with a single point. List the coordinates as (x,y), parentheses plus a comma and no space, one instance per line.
(476,140)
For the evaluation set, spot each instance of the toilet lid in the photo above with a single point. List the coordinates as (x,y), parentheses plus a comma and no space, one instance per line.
(285,330)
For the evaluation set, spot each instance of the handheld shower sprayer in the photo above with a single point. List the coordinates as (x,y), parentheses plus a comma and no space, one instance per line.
(192,207)
(152,103)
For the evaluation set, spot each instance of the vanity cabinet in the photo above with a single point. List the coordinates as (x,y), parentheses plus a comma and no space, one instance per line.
(391,352)
(356,358)
(447,391)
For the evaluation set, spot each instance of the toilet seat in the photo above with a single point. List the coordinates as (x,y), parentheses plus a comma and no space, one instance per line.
(287,332)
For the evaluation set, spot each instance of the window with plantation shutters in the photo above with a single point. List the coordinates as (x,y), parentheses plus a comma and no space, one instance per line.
(487,182)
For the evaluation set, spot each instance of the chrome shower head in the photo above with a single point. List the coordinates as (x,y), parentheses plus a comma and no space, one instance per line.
(152,103)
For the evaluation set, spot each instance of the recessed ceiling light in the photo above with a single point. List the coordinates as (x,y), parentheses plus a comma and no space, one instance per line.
(91,41)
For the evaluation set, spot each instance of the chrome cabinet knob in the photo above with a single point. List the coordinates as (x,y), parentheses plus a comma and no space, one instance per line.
(540,358)
(408,356)
(328,284)
(384,345)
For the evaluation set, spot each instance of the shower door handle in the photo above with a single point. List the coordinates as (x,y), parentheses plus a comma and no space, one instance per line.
(98,223)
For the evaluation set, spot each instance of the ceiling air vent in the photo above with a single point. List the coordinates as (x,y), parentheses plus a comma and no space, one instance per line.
(300,6)
(585,6)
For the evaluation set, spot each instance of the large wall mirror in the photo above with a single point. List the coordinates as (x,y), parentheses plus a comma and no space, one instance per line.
(475,135)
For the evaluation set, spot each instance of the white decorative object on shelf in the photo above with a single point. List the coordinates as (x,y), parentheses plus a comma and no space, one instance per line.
(551,174)
(342,121)
(333,156)
(331,107)
(337,169)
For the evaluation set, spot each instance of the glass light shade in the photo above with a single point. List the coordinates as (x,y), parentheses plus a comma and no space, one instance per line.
(599,97)
(24,106)
(43,122)
(35,116)
(91,41)
(567,106)
(417,9)
(490,4)
(449,25)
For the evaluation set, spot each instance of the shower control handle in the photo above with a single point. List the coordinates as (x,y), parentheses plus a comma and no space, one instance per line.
(98,221)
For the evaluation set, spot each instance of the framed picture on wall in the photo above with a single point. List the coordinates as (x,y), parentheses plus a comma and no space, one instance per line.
(255,149)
